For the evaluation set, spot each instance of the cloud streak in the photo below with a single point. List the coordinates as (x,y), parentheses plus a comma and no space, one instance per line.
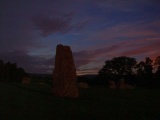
(147,50)
(61,23)
(52,25)
(125,5)
(31,64)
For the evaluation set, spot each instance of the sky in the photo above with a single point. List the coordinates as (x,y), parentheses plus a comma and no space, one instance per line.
(96,31)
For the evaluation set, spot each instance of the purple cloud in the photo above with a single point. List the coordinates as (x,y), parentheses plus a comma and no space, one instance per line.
(49,25)
(58,24)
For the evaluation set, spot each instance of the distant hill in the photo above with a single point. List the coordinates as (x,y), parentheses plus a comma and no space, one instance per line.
(50,75)
(40,76)
(92,76)
(90,79)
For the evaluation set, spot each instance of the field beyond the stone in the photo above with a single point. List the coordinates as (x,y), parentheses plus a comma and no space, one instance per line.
(36,102)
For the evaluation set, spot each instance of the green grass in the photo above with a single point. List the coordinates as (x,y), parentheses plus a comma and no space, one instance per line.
(36,102)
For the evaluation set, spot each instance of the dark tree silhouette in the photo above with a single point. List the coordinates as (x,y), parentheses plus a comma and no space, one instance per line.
(20,74)
(1,70)
(140,68)
(157,63)
(140,73)
(148,69)
(148,66)
(10,73)
(157,74)
(13,71)
(145,72)
(118,67)
(7,72)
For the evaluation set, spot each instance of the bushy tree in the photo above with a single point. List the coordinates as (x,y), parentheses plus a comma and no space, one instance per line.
(118,67)
(145,72)
(10,72)
(149,72)
(140,68)
(157,63)
(1,70)
(140,73)
(7,72)
(20,74)
(148,66)
(157,73)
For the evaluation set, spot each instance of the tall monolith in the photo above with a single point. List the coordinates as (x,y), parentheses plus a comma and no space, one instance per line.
(64,73)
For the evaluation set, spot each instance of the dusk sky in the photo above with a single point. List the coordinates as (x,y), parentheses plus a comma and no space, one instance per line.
(96,30)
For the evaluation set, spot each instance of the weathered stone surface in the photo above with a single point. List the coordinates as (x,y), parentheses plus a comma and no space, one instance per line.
(64,73)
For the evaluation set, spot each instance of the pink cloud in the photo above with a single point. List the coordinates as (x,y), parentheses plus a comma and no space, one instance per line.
(128,31)
(138,39)
(87,72)
(148,50)
(87,56)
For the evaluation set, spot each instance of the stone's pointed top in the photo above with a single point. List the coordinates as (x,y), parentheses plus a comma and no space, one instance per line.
(60,46)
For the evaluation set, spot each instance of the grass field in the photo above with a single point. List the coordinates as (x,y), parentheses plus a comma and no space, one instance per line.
(36,102)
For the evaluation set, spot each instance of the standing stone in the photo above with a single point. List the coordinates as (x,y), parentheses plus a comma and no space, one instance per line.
(26,80)
(64,73)
(112,84)
(121,84)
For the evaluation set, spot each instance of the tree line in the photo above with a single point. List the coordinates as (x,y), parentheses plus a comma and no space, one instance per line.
(144,73)
(10,72)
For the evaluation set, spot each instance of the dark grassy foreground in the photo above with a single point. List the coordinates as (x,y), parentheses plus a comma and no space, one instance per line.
(36,102)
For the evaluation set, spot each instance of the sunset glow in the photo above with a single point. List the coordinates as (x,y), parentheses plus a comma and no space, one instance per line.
(96,30)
